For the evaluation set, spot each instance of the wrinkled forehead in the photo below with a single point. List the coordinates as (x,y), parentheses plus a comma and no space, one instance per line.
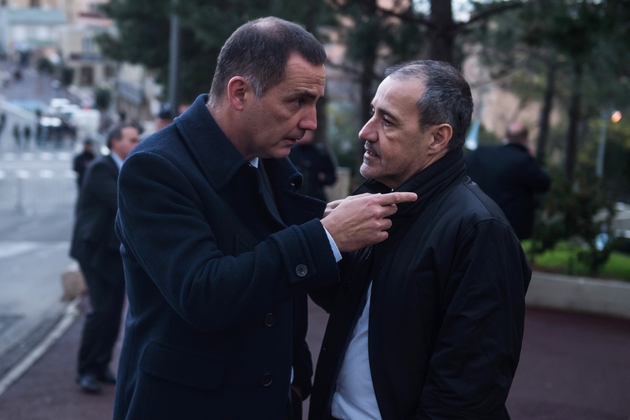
(399,96)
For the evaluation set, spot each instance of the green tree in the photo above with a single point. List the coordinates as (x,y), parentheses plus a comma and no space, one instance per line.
(143,33)
(377,36)
(572,50)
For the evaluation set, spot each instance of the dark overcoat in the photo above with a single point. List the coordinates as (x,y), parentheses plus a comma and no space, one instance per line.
(447,305)
(94,241)
(213,276)
(512,178)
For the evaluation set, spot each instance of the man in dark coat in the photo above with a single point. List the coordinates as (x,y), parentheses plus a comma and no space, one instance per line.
(511,177)
(316,166)
(82,160)
(96,248)
(219,248)
(427,324)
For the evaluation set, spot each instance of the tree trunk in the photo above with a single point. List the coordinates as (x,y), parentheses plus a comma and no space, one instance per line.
(575,106)
(367,93)
(441,31)
(321,134)
(545,112)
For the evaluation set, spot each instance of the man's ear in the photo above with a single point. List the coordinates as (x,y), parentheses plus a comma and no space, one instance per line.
(237,91)
(440,138)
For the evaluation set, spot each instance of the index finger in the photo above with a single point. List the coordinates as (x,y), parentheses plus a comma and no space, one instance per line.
(396,197)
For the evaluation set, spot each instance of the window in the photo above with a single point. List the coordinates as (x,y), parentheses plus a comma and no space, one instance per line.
(86,77)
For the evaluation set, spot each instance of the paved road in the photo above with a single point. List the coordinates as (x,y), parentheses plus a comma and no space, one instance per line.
(573,367)
(37,197)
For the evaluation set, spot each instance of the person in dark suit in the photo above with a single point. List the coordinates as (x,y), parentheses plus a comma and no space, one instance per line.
(82,160)
(511,177)
(427,324)
(315,164)
(220,248)
(96,248)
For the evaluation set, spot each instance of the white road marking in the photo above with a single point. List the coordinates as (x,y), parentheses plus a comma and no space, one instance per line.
(11,249)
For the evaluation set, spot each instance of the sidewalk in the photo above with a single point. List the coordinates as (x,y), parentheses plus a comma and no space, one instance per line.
(47,390)
(573,366)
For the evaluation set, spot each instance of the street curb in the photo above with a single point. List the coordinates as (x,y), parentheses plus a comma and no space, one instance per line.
(69,317)
(579,294)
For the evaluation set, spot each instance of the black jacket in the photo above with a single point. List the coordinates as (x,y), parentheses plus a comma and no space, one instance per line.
(80,164)
(447,308)
(94,241)
(312,160)
(511,177)
(216,278)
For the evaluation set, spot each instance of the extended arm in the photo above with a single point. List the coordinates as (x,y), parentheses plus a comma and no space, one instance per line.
(162,222)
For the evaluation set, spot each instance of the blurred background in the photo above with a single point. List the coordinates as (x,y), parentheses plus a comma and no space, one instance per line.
(70,69)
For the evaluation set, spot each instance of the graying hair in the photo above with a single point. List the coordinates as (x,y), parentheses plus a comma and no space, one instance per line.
(446,97)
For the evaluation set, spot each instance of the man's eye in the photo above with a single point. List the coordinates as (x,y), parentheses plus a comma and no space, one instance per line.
(386,122)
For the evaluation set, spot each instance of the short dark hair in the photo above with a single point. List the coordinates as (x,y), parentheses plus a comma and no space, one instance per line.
(446,97)
(116,132)
(259,50)
(165,112)
(516,136)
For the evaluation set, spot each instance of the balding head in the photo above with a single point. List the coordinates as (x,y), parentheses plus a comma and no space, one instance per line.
(259,51)
(516,133)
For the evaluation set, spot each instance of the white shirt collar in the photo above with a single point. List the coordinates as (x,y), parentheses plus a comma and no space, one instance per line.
(117,159)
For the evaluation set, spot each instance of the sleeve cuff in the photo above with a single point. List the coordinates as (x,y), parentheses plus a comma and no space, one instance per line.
(333,246)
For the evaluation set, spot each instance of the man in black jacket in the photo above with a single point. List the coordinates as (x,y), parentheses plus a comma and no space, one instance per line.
(96,248)
(83,160)
(427,324)
(511,177)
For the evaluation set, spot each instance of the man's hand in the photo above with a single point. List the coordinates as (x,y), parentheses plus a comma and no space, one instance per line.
(331,206)
(361,220)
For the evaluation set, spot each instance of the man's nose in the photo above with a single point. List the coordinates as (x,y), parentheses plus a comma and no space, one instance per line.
(368,133)
(309,120)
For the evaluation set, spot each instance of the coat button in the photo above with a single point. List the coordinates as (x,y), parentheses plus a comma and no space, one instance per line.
(301,270)
(270,318)
(266,379)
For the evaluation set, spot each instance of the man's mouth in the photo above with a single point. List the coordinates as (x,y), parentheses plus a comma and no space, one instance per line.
(371,152)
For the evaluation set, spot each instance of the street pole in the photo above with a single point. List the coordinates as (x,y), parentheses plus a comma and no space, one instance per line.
(602,145)
(173,68)
(615,117)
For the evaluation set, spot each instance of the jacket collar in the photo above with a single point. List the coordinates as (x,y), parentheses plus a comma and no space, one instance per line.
(216,155)
(427,184)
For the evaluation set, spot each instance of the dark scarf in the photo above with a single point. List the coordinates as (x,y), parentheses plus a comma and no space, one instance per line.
(428,184)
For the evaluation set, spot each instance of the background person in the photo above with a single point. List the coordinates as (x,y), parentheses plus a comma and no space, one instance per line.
(83,160)
(511,177)
(315,164)
(17,136)
(164,117)
(97,249)
(428,323)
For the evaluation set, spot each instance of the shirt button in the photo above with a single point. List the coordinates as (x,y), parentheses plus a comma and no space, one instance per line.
(301,270)
(337,388)
(266,379)
(270,318)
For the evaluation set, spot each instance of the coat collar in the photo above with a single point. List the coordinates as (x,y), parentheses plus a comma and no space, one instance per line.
(217,157)
(428,183)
